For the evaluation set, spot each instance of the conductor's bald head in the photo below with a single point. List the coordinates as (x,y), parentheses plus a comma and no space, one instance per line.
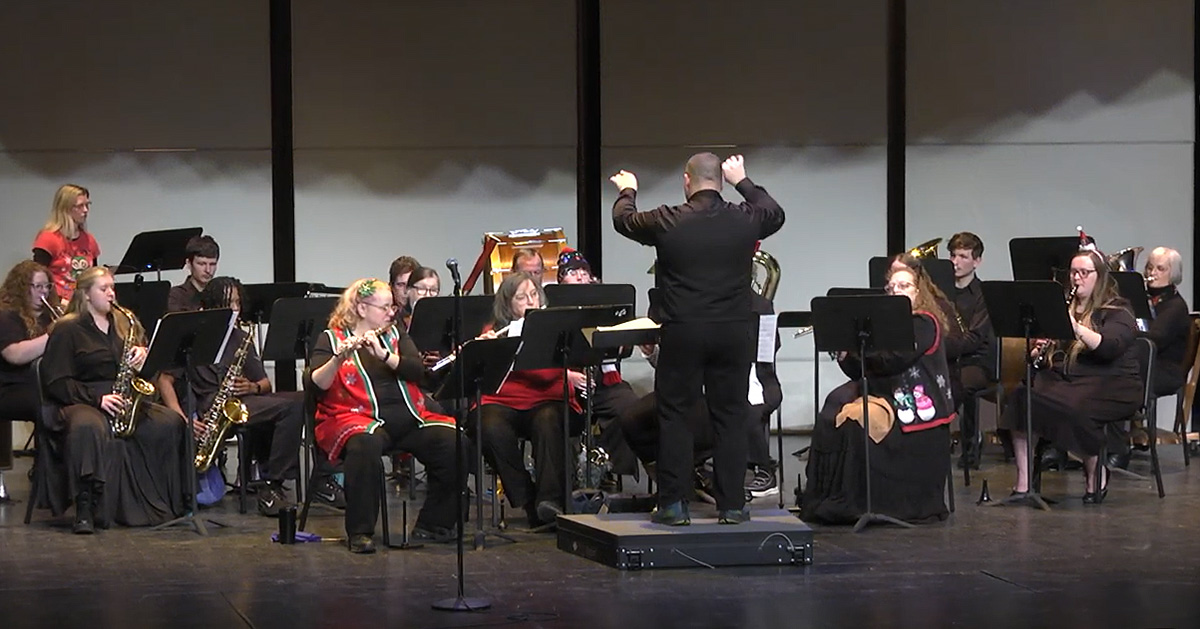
(703,172)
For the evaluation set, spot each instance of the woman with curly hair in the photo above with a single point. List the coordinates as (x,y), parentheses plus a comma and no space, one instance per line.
(23,323)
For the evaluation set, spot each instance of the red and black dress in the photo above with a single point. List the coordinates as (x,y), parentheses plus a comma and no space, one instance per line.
(908,466)
(371,409)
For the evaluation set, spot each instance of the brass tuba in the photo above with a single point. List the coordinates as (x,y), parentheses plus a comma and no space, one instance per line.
(769,284)
(927,249)
(128,385)
(1124,260)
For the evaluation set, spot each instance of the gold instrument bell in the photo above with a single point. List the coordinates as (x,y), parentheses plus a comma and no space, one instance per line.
(1124,260)
(765,273)
(927,249)
(548,241)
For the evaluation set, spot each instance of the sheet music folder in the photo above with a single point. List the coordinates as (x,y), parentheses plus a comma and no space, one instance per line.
(642,331)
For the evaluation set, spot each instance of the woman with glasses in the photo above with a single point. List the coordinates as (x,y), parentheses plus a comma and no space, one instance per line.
(366,372)
(64,245)
(23,323)
(910,405)
(1091,381)
(528,405)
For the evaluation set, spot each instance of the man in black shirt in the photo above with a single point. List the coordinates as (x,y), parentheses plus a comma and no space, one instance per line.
(977,363)
(202,255)
(705,250)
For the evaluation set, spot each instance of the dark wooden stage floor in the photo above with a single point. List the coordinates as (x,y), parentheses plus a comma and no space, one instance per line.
(1132,562)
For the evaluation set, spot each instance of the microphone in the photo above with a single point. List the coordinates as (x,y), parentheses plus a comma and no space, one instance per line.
(452,264)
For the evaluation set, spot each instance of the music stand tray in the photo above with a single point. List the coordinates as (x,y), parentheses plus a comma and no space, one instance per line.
(432,326)
(848,291)
(1028,309)
(148,300)
(1042,258)
(940,270)
(163,250)
(559,295)
(261,298)
(295,324)
(861,324)
(182,340)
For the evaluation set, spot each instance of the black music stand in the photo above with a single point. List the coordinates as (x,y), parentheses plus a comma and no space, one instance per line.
(940,270)
(294,325)
(432,327)
(148,300)
(181,340)
(553,339)
(559,295)
(158,251)
(1028,309)
(804,320)
(261,298)
(847,291)
(1042,258)
(1132,286)
(860,324)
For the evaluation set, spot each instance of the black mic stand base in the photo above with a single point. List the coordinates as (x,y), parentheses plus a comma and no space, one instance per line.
(878,518)
(462,604)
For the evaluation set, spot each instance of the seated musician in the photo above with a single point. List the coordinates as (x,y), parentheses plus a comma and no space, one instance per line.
(398,275)
(365,370)
(137,480)
(1093,381)
(24,319)
(422,282)
(529,405)
(910,407)
(529,260)
(976,364)
(202,254)
(280,414)
(611,395)
(64,245)
(1171,324)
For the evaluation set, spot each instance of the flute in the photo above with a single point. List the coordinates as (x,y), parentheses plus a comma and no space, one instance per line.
(441,364)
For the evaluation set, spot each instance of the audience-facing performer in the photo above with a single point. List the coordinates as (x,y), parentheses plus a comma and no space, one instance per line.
(281,413)
(705,249)
(910,404)
(1094,381)
(530,261)
(976,364)
(64,245)
(135,481)
(398,275)
(1171,323)
(528,405)
(365,370)
(202,253)
(24,319)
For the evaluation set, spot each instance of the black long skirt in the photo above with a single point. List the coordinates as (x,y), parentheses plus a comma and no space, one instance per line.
(908,470)
(1071,414)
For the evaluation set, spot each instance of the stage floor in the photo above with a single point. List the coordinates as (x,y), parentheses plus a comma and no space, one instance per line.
(1128,563)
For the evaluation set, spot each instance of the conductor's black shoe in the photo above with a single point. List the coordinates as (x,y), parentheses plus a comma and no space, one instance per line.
(733,516)
(84,522)
(361,544)
(674,514)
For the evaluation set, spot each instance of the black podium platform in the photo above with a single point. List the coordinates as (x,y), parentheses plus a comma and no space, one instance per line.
(629,541)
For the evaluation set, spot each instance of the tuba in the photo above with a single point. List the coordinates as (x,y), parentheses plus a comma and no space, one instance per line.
(1124,260)
(224,411)
(128,385)
(769,284)
(927,249)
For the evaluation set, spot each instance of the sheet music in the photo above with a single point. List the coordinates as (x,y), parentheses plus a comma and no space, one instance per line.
(766,337)
(514,328)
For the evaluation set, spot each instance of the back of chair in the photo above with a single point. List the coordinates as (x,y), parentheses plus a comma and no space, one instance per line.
(1151,353)
(1188,393)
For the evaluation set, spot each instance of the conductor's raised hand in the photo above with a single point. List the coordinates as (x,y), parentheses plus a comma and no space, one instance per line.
(625,179)
(734,169)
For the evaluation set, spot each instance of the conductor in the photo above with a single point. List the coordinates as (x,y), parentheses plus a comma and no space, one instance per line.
(705,250)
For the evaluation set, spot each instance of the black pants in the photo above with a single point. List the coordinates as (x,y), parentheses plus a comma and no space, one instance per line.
(609,404)
(974,380)
(709,361)
(542,425)
(18,402)
(280,418)
(758,437)
(363,456)
(639,425)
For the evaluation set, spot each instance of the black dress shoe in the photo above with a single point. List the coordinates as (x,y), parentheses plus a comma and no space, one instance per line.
(1092,498)
(85,523)
(1119,459)
(361,544)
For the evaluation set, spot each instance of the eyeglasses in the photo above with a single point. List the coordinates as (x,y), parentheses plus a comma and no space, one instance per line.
(898,287)
(425,291)
(1082,273)
(387,308)
(41,286)
(526,298)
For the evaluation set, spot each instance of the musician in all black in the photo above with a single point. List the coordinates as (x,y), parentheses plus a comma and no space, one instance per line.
(202,256)
(137,480)
(976,364)
(705,250)
(1171,324)
(23,323)
(276,419)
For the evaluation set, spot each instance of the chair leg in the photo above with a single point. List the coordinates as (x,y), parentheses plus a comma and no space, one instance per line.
(950,481)
(383,510)
(35,483)
(243,470)
(308,496)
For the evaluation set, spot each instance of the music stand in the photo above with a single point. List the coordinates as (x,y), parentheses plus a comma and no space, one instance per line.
(553,339)
(432,326)
(559,295)
(846,291)
(860,324)
(1132,286)
(940,270)
(294,325)
(1042,258)
(804,320)
(148,300)
(158,251)
(181,340)
(261,298)
(1028,309)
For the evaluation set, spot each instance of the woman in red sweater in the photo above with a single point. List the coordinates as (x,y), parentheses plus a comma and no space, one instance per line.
(529,405)
(64,245)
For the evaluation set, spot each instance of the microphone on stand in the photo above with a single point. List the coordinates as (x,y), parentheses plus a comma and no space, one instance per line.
(452,264)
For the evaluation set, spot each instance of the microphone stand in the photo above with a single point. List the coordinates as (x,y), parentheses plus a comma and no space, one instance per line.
(460,603)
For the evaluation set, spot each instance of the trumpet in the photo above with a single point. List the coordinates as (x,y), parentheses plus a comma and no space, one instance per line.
(55,313)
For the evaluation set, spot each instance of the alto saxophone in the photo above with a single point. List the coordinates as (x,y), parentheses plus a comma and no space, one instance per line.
(128,385)
(224,411)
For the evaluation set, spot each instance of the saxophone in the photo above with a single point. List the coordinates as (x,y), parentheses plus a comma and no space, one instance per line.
(224,411)
(130,387)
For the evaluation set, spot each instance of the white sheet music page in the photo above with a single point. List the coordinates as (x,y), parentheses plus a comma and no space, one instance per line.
(766,337)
